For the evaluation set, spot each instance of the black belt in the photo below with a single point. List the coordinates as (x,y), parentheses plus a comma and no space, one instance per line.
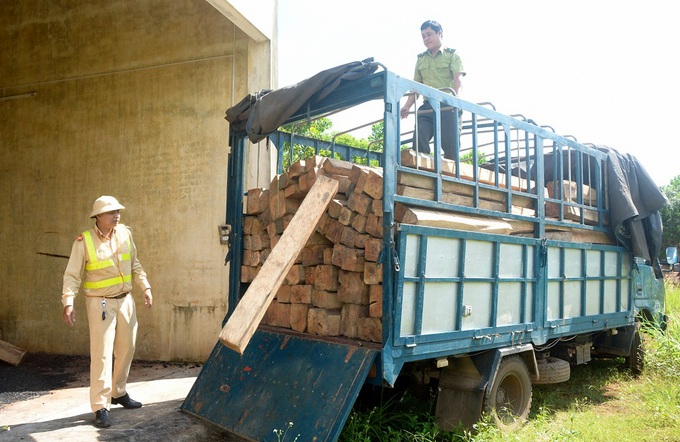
(122,295)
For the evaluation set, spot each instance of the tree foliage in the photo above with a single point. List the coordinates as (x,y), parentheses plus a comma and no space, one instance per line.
(321,129)
(377,135)
(670,214)
(468,158)
(318,129)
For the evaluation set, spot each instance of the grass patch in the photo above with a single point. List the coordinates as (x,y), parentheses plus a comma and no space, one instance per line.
(601,402)
(397,417)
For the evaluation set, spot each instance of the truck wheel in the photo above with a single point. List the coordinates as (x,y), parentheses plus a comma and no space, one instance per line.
(509,399)
(636,360)
(552,371)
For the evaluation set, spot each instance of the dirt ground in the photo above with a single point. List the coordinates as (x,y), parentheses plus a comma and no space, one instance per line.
(37,375)
(45,398)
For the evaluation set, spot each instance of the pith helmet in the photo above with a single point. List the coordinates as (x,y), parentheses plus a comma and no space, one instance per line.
(105,204)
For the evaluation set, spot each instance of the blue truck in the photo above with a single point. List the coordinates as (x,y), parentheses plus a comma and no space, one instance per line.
(481,314)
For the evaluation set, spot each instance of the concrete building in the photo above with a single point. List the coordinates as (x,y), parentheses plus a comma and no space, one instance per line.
(124,98)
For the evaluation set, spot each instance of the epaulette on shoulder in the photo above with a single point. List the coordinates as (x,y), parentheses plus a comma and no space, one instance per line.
(449,50)
(422,54)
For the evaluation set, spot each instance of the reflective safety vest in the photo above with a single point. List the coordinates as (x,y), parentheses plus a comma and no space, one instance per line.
(100,271)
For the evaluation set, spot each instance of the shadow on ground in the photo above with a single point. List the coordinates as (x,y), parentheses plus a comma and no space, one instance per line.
(154,422)
(45,399)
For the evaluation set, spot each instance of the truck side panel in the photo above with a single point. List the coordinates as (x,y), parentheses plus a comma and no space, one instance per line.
(457,281)
(460,292)
(585,281)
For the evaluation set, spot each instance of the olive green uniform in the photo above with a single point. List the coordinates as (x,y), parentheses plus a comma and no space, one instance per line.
(437,71)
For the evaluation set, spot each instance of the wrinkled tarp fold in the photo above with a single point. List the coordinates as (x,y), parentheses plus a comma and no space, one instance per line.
(634,204)
(263,113)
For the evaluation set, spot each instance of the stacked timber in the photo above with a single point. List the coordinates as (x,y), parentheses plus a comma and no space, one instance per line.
(334,288)
(422,186)
(568,193)
(333,283)
(419,186)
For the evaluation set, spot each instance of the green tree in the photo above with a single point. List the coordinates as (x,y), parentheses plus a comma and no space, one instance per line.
(377,135)
(374,143)
(321,129)
(670,215)
(468,158)
(318,129)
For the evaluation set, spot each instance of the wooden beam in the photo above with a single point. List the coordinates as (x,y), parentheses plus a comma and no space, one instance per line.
(447,220)
(571,213)
(252,307)
(461,200)
(578,235)
(425,182)
(423,161)
(11,353)
(570,192)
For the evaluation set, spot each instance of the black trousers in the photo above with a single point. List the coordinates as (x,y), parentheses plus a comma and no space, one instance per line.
(426,130)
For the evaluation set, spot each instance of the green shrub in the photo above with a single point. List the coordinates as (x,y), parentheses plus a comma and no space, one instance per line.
(663,349)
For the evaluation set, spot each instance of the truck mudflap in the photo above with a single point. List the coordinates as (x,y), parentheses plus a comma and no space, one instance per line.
(281,379)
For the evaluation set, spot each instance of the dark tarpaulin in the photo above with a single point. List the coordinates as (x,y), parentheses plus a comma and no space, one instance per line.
(263,113)
(634,204)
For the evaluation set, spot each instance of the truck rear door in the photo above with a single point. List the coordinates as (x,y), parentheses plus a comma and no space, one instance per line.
(281,378)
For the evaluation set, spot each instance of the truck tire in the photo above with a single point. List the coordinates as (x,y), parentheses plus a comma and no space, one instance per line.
(552,371)
(636,360)
(509,399)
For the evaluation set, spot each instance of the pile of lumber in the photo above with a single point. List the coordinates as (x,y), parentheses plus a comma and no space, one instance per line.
(422,187)
(568,193)
(410,158)
(327,280)
(334,287)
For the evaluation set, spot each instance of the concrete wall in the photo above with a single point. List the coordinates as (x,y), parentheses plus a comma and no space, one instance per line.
(125,98)
(251,17)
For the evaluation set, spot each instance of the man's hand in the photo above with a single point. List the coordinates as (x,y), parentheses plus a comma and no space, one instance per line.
(148,298)
(407,106)
(69,315)
(404,111)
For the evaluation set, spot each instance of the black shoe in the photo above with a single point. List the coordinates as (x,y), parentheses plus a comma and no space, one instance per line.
(126,401)
(101,418)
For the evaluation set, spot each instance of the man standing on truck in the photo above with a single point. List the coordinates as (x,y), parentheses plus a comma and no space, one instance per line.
(104,259)
(441,68)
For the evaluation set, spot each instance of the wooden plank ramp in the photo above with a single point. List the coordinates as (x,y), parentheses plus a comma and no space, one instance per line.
(252,307)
